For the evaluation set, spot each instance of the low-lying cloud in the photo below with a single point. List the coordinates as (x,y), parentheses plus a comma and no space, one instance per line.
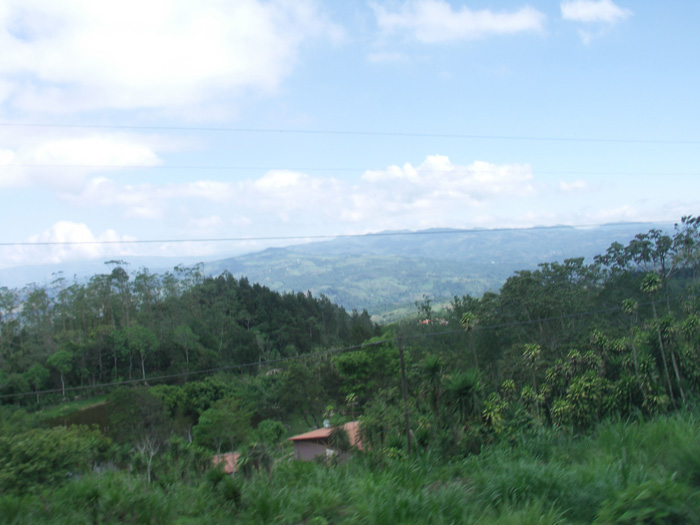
(434,191)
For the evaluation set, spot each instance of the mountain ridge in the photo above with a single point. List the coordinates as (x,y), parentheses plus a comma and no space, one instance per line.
(387,270)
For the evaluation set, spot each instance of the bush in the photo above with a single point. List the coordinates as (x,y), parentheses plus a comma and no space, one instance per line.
(652,502)
(270,431)
(45,457)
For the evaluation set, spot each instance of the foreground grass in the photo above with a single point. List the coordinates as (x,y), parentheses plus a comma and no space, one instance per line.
(623,473)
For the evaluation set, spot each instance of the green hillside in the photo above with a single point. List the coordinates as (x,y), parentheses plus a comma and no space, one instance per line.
(390,271)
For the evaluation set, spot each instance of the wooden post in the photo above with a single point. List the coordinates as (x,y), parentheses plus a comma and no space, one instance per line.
(405,395)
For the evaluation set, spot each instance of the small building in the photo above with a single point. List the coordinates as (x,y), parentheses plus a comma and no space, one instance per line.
(316,443)
(228,461)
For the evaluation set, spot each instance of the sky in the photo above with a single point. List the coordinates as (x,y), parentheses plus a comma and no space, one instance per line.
(179,121)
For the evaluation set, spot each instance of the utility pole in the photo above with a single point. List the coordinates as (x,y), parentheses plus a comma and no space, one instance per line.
(405,395)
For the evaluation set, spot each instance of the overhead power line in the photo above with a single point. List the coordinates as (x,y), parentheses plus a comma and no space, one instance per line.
(269,362)
(156,379)
(446,231)
(333,169)
(368,133)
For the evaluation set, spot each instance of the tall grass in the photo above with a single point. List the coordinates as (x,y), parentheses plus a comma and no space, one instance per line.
(625,472)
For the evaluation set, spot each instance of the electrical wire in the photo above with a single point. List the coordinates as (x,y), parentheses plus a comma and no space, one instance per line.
(155,379)
(436,231)
(367,133)
(328,169)
(332,351)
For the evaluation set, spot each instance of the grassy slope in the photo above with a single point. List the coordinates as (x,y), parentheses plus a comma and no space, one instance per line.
(633,471)
(543,479)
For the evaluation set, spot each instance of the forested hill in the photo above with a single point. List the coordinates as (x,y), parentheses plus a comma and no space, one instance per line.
(118,327)
(390,270)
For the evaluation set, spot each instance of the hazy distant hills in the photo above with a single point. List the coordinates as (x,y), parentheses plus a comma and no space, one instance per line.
(44,274)
(387,271)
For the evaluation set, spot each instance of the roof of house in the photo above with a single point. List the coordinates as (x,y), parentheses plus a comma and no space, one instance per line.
(230,461)
(352,428)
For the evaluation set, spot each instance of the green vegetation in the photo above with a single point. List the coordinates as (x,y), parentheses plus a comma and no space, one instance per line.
(118,327)
(623,472)
(68,408)
(569,397)
(386,274)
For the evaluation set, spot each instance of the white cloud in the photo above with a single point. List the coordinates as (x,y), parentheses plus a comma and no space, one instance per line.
(139,201)
(93,151)
(433,21)
(588,11)
(575,186)
(213,191)
(66,232)
(72,55)
(601,14)
(475,182)
(36,161)
(435,192)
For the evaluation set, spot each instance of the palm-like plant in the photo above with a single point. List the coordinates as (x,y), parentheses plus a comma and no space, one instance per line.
(464,394)
(255,458)
(651,283)
(432,374)
(469,322)
(339,439)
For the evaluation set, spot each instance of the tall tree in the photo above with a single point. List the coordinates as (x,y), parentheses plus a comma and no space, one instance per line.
(142,341)
(62,361)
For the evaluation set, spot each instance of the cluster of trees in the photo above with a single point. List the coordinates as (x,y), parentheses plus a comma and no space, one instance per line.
(555,352)
(566,345)
(563,346)
(120,326)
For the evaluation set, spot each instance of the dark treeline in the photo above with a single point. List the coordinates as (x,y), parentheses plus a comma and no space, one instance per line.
(119,326)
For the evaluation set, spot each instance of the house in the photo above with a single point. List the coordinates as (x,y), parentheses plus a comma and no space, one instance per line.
(229,461)
(316,443)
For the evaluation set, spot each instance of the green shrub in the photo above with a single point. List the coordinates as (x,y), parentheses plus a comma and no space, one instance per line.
(270,431)
(652,502)
(45,457)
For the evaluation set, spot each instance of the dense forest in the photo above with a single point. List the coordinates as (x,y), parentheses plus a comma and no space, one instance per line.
(569,396)
(120,327)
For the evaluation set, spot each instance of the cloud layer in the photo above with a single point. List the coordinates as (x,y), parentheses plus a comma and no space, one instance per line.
(433,21)
(64,55)
(589,11)
(595,16)
(88,245)
(37,161)
(436,191)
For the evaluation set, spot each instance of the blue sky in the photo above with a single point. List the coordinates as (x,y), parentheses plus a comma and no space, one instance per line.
(283,118)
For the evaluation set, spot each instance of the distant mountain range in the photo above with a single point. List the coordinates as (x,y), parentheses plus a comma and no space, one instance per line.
(391,270)
(387,271)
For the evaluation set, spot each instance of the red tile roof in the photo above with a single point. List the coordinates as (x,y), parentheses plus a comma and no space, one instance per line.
(230,461)
(352,428)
